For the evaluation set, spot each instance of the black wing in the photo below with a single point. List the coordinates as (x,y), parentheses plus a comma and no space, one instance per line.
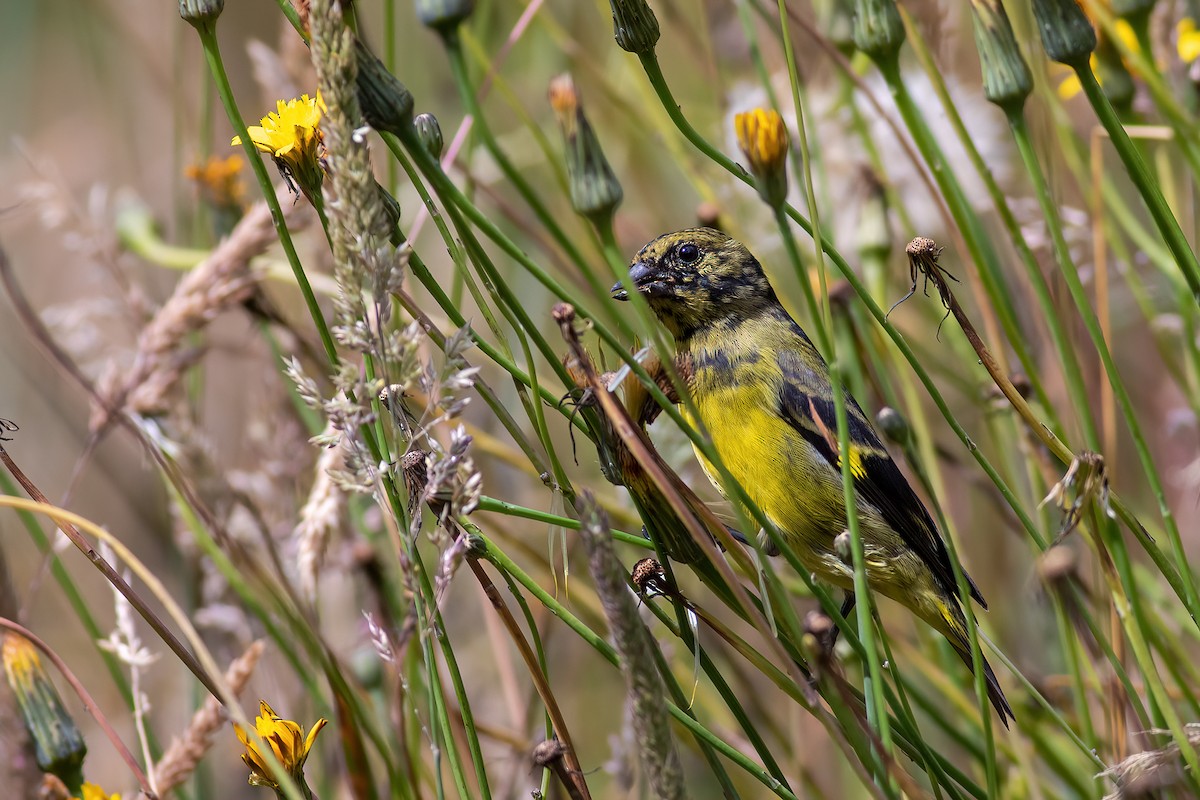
(804,403)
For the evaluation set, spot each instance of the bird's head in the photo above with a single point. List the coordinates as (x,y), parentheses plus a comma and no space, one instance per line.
(697,277)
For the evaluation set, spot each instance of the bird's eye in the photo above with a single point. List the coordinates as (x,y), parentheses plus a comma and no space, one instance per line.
(688,253)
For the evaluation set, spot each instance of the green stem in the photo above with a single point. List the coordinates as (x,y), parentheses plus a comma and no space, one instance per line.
(1139,173)
(212,54)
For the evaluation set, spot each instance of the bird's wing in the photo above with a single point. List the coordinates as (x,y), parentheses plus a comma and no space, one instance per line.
(805,403)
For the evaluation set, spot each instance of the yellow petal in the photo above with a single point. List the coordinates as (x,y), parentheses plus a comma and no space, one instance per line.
(1124,32)
(1189,46)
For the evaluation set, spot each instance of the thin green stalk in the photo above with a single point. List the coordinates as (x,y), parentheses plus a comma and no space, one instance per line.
(212,54)
(458,69)
(970,226)
(437,627)
(504,563)
(1139,173)
(1079,295)
(1067,357)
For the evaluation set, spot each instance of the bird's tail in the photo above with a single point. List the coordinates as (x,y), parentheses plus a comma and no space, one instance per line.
(954,628)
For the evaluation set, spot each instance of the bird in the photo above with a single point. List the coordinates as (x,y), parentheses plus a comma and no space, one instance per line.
(762,391)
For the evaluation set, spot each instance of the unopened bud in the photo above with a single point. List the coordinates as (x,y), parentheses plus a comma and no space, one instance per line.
(893,425)
(841,546)
(836,21)
(878,29)
(1006,79)
(1067,35)
(634,25)
(595,190)
(430,133)
(200,12)
(443,15)
(386,103)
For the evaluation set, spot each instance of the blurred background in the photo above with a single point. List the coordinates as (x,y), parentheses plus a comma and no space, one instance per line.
(108,104)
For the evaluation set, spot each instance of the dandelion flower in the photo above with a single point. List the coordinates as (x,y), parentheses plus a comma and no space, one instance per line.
(93,792)
(292,137)
(763,139)
(287,741)
(219,180)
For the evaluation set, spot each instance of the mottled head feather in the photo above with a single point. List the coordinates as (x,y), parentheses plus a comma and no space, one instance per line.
(700,276)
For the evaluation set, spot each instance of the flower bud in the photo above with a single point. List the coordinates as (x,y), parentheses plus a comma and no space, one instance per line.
(386,103)
(58,744)
(763,139)
(842,546)
(835,19)
(430,133)
(878,29)
(200,12)
(595,190)
(1006,79)
(391,207)
(1067,35)
(893,425)
(634,25)
(443,15)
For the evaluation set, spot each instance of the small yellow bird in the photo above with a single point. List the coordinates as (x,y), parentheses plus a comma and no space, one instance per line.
(763,392)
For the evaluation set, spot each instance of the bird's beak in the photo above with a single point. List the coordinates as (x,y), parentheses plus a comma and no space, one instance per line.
(639,272)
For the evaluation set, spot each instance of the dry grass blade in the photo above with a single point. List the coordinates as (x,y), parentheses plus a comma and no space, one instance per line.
(220,282)
(651,724)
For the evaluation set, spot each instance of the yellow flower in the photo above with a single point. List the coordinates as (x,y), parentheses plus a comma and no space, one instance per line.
(1188,41)
(763,139)
(219,180)
(288,744)
(292,136)
(93,792)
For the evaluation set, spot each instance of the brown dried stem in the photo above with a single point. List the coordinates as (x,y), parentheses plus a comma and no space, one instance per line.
(184,754)
(112,576)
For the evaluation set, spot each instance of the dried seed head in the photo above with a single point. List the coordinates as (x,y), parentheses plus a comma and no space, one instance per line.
(650,578)
(546,753)
(922,246)
(1086,479)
